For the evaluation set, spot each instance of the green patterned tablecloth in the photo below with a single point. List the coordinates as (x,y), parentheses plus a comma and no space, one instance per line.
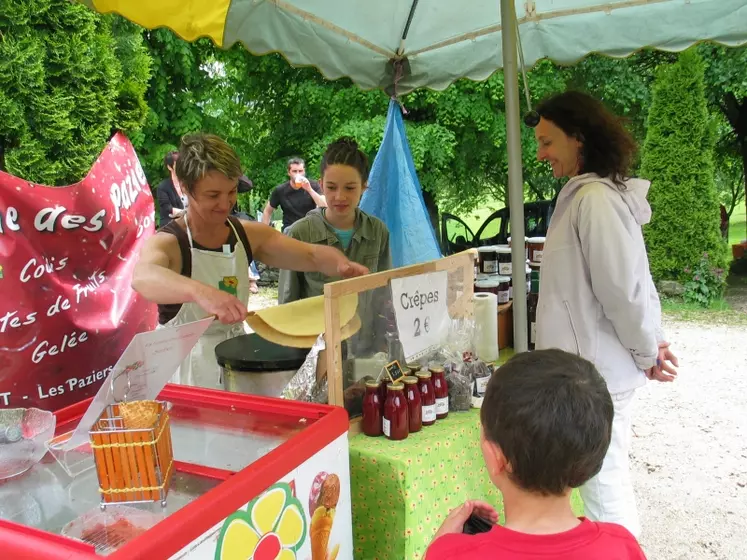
(402,491)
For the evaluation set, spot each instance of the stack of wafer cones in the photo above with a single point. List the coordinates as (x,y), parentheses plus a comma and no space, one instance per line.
(139,415)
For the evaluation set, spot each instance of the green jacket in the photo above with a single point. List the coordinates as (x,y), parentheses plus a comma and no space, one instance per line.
(369,247)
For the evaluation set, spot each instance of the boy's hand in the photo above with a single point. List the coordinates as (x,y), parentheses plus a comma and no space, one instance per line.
(457,517)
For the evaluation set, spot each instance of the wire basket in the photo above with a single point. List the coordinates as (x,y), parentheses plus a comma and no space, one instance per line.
(133,453)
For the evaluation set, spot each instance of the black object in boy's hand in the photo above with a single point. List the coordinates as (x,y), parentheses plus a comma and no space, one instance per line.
(476,524)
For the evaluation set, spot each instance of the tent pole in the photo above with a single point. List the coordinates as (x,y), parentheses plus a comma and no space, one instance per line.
(515,179)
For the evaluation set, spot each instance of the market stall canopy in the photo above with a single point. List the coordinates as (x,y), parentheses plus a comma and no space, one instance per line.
(438,41)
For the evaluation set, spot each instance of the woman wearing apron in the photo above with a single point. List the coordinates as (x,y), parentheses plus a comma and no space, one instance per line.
(198,266)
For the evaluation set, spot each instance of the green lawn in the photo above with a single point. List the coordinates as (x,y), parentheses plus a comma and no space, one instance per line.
(737,230)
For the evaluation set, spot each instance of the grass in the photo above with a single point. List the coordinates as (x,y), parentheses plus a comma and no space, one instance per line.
(737,230)
(268,292)
(719,313)
(476,218)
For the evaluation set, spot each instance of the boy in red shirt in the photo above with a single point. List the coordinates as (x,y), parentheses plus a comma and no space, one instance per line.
(546,425)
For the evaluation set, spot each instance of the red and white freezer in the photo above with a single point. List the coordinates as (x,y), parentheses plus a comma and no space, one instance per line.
(256,478)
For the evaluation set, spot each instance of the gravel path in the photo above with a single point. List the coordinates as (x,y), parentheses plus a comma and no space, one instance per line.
(689,456)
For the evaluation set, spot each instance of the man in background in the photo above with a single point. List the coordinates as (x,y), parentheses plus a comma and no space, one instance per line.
(296,197)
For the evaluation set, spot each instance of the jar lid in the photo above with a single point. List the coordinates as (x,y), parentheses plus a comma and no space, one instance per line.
(503,279)
(536,240)
(410,380)
(424,374)
(486,249)
(535,265)
(503,249)
(414,367)
(373,384)
(395,387)
(436,369)
(488,283)
(251,352)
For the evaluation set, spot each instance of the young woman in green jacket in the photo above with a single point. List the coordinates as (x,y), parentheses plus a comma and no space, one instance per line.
(363,238)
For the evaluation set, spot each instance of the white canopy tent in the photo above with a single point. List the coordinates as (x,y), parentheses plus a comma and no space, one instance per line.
(402,45)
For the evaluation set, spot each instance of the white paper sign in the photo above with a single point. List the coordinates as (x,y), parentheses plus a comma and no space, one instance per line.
(421,311)
(142,371)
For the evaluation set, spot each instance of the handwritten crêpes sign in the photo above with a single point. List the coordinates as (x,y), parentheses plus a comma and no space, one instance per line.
(67,310)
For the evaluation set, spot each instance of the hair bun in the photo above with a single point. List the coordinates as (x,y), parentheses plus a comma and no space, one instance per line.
(347,141)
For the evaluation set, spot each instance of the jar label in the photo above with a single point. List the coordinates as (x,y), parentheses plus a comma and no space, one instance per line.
(505,269)
(510,292)
(503,297)
(533,332)
(537,256)
(387,426)
(442,405)
(429,413)
(490,266)
(481,385)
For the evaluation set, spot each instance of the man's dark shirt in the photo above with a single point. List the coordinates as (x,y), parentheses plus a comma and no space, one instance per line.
(295,203)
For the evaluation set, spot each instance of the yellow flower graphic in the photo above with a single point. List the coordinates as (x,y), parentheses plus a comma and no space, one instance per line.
(273,527)
(231,281)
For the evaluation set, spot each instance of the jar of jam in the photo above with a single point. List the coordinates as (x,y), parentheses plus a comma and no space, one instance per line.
(414,405)
(504,284)
(441,391)
(427,398)
(504,260)
(372,410)
(488,260)
(414,368)
(395,424)
(382,392)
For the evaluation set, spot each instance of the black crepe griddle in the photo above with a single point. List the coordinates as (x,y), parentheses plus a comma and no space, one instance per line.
(251,352)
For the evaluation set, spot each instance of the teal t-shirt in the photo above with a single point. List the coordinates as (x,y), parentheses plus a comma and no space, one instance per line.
(345,236)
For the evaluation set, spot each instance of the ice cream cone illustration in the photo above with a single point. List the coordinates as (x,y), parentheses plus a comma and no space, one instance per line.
(325,493)
(321,528)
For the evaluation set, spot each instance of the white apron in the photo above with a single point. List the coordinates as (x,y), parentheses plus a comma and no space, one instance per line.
(227,271)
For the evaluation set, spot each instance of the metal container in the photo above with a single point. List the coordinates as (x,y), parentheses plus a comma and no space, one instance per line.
(250,364)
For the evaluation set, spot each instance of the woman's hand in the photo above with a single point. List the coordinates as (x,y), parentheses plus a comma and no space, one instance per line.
(664,370)
(457,517)
(227,308)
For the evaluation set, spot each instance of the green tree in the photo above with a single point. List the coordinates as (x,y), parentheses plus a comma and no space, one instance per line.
(726,79)
(678,159)
(63,87)
(175,97)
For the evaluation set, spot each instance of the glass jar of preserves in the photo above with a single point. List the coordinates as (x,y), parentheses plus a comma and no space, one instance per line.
(427,398)
(395,424)
(414,405)
(441,390)
(372,410)
(414,368)
(382,393)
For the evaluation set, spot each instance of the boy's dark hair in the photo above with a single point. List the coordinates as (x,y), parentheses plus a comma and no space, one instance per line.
(608,149)
(170,158)
(345,151)
(550,412)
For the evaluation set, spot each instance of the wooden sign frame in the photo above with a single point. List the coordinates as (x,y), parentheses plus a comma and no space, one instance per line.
(461,288)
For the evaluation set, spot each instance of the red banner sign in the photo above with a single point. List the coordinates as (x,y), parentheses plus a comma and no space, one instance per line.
(67,310)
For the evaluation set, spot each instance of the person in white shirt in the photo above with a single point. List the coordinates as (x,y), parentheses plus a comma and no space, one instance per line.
(597,298)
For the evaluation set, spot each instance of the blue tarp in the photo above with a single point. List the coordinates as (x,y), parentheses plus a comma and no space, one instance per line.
(394,196)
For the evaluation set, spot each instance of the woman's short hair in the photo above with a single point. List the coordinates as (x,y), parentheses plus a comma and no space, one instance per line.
(608,149)
(201,153)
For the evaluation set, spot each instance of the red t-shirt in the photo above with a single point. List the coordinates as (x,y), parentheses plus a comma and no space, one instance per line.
(589,541)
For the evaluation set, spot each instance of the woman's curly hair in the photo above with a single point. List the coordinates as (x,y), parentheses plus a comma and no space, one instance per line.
(608,149)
